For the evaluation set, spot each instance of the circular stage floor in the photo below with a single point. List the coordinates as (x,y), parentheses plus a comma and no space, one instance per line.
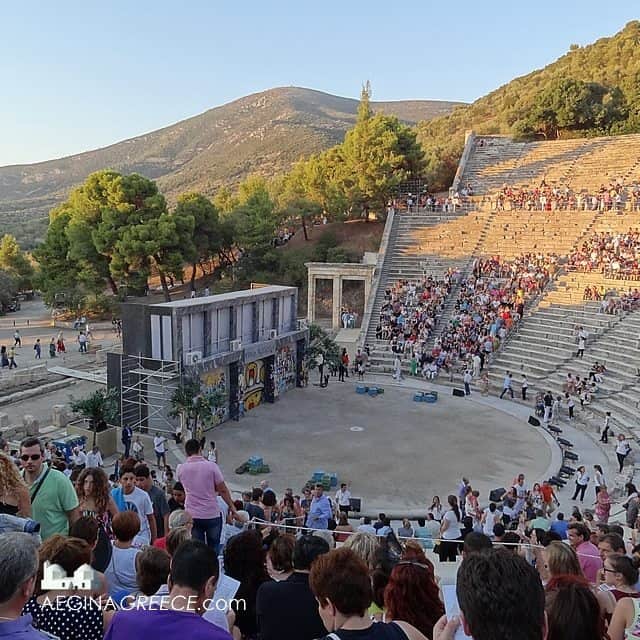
(395,452)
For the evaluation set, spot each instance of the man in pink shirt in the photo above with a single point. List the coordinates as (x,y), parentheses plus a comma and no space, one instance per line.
(588,554)
(203,481)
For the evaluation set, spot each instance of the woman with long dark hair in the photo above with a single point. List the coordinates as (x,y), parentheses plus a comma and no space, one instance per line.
(244,560)
(572,610)
(450,531)
(94,497)
(412,594)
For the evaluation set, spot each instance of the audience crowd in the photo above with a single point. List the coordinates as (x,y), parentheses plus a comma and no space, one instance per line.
(616,255)
(181,558)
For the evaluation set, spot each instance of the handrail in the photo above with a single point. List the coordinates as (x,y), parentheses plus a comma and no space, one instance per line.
(377,277)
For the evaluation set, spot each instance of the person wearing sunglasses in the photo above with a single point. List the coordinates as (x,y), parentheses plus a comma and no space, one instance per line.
(54,502)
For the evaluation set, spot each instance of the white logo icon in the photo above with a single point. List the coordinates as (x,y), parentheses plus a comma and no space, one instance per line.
(54,577)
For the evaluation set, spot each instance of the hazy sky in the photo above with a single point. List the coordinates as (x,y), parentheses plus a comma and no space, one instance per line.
(79,75)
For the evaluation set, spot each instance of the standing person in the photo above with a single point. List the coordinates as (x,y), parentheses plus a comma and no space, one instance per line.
(14,494)
(287,610)
(60,348)
(598,477)
(82,342)
(570,404)
(159,447)
(203,481)
(582,343)
(320,511)
(588,555)
(37,347)
(555,410)
(467,378)
(138,449)
(94,458)
(19,562)
(127,434)
(507,385)
(397,367)
(603,505)
(343,498)
(548,406)
(17,339)
(52,348)
(604,437)
(524,386)
(450,531)
(94,500)
(158,499)
(344,358)
(582,481)
(12,358)
(54,503)
(129,498)
(212,452)
(623,448)
(320,363)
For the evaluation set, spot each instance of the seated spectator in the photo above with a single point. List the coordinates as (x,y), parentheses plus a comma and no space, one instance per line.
(73,615)
(425,534)
(365,546)
(176,537)
(152,571)
(572,610)
(620,578)
(193,577)
(178,496)
(476,543)
(412,594)
(406,530)
(365,525)
(344,611)
(18,580)
(500,597)
(177,518)
(121,570)
(559,525)
(280,557)
(558,559)
(287,609)
(244,560)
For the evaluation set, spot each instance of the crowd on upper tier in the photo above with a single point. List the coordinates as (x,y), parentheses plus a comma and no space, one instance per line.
(616,196)
(616,255)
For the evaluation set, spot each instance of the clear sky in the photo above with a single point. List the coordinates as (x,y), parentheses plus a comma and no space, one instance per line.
(79,75)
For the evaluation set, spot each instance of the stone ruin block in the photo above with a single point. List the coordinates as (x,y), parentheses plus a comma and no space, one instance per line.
(4,420)
(31,425)
(59,417)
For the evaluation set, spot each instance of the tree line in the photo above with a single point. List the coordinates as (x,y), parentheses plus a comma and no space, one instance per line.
(115,231)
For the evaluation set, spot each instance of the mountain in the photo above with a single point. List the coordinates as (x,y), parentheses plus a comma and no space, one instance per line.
(612,62)
(265,132)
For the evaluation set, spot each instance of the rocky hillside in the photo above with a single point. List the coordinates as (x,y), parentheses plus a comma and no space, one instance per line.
(263,133)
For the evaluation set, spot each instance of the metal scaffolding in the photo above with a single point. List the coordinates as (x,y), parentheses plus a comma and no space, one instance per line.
(146,387)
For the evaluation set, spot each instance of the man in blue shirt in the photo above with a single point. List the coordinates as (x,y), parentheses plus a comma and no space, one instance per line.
(320,510)
(559,525)
(18,575)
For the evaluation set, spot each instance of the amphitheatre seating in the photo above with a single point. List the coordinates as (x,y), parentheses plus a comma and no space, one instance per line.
(582,163)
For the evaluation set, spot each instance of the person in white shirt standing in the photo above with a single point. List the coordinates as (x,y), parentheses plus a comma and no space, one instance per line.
(160,449)
(343,498)
(94,458)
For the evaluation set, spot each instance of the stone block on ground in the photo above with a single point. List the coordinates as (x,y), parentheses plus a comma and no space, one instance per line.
(59,416)
(31,425)
(4,420)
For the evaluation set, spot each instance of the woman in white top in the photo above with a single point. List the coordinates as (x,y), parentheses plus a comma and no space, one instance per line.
(598,477)
(436,509)
(622,450)
(582,480)
(212,453)
(450,531)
